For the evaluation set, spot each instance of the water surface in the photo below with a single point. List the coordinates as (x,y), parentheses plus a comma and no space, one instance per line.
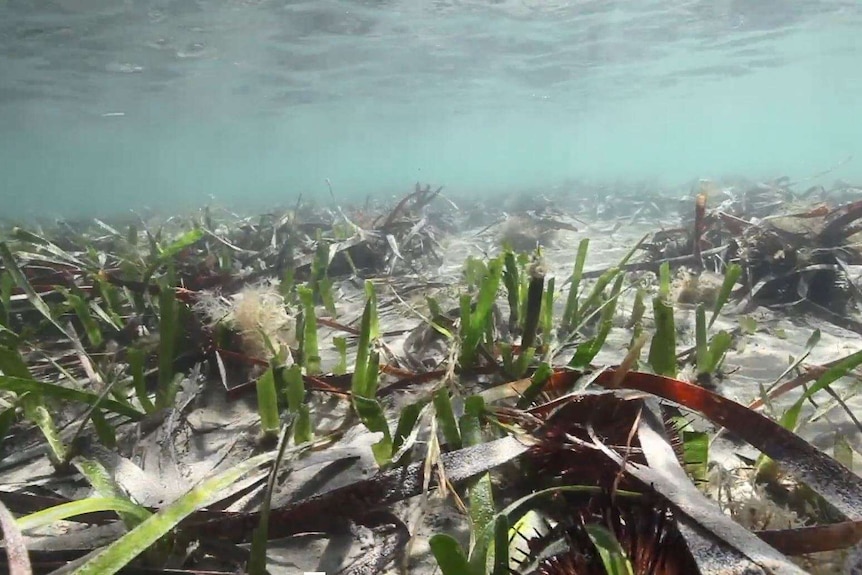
(108,105)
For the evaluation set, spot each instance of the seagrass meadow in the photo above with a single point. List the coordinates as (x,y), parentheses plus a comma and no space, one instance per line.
(571,384)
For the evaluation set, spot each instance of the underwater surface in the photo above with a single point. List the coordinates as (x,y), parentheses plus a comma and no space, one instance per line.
(108,105)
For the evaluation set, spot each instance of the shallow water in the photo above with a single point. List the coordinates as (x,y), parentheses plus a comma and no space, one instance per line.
(109,105)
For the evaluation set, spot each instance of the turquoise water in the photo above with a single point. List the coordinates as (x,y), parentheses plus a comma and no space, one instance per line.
(106,106)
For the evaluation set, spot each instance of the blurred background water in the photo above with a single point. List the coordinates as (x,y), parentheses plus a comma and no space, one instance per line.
(107,105)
